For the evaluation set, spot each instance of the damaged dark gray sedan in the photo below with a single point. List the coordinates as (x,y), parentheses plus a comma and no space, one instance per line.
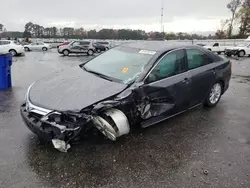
(135,84)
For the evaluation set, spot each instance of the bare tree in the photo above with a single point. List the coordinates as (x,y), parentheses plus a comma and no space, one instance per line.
(233,6)
(1,27)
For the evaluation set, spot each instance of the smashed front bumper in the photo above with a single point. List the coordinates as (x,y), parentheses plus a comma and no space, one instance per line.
(59,133)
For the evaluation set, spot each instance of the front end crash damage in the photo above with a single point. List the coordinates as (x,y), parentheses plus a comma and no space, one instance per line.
(63,127)
(111,117)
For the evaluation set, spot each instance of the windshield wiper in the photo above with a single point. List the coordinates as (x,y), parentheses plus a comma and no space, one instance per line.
(101,75)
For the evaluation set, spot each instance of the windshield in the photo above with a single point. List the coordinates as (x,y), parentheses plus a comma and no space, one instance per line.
(120,63)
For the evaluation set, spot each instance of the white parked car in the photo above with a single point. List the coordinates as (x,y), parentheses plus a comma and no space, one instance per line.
(216,47)
(240,50)
(37,46)
(9,46)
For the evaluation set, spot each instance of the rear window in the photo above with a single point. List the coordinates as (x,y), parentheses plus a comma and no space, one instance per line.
(3,42)
(213,56)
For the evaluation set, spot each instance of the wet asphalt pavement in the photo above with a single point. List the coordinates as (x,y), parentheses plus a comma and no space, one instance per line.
(200,148)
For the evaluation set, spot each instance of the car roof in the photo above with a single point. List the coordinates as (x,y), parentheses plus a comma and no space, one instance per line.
(158,46)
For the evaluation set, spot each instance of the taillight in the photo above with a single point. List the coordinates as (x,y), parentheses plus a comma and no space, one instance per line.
(230,63)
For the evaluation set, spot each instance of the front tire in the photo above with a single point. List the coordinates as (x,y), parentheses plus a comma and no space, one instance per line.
(214,95)
(65,52)
(98,50)
(241,53)
(13,52)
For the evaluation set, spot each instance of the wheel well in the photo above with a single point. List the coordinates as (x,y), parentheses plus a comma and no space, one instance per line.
(222,84)
(12,49)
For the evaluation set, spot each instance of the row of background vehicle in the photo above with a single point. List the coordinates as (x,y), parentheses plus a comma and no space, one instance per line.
(19,47)
(227,46)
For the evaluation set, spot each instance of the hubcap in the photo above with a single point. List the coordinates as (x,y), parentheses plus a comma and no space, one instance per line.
(241,54)
(215,93)
(90,52)
(66,52)
(13,53)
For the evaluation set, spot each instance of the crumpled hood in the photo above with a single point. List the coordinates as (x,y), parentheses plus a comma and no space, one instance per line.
(72,90)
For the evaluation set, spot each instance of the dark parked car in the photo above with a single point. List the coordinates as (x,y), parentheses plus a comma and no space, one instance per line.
(135,84)
(99,47)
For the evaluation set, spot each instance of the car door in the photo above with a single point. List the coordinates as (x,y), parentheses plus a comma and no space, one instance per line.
(4,46)
(32,46)
(75,47)
(216,47)
(166,88)
(39,46)
(84,46)
(202,74)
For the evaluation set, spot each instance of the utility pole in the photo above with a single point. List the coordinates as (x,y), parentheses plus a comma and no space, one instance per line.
(162,10)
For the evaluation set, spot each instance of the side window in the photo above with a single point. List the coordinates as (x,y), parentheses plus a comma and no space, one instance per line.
(197,58)
(216,44)
(1,42)
(76,43)
(5,42)
(171,64)
(84,43)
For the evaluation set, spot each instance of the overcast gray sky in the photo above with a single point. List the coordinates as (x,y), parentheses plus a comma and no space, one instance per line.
(179,15)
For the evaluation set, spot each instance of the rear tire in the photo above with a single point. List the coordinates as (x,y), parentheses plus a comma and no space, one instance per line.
(209,49)
(13,52)
(44,49)
(98,51)
(219,53)
(214,95)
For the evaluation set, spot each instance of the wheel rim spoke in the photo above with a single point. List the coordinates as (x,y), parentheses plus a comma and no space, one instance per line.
(215,93)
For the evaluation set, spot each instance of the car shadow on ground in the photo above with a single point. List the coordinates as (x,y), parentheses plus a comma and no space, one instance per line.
(145,153)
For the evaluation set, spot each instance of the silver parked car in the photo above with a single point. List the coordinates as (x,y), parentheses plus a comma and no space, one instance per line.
(77,47)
